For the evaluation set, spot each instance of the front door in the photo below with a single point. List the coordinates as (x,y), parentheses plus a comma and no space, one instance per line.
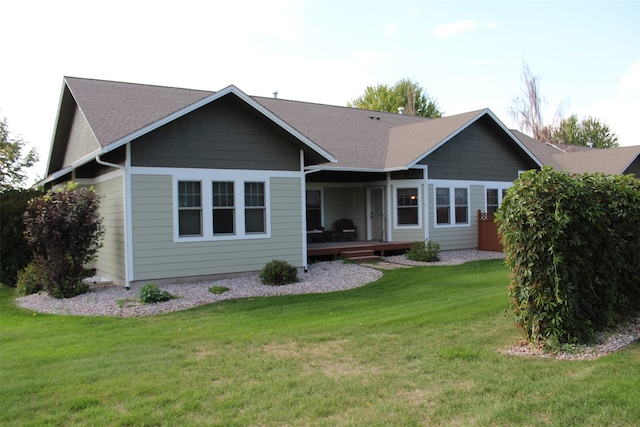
(376,221)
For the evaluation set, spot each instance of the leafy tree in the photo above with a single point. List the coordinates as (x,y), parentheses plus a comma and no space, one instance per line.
(404,93)
(64,230)
(13,161)
(588,132)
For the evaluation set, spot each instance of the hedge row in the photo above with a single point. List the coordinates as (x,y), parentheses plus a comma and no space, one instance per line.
(15,254)
(572,243)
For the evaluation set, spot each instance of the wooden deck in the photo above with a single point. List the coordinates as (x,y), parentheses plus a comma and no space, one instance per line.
(335,249)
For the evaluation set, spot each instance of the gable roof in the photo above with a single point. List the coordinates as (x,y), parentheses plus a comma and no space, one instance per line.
(579,159)
(120,112)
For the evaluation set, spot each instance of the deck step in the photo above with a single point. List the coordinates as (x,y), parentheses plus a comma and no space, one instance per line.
(361,255)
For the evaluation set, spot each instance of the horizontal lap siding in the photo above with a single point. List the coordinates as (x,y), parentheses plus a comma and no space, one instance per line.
(407,234)
(463,237)
(111,257)
(157,256)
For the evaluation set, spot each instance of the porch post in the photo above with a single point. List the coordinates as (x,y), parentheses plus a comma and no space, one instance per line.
(303,192)
(389,207)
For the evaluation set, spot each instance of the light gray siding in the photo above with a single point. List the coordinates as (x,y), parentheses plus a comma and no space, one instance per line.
(226,134)
(157,256)
(111,257)
(81,141)
(403,234)
(460,237)
(481,152)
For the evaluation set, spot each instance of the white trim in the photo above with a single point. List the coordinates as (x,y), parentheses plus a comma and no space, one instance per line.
(404,184)
(128,220)
(303,202)
(238,177)
(389,196)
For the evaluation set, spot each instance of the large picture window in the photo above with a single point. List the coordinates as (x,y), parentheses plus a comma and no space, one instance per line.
(224,211)
(407,205)
(254,205)
(189,208)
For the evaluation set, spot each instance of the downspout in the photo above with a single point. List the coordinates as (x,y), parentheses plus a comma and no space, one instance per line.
(390,213)
(303,192)
(125,201)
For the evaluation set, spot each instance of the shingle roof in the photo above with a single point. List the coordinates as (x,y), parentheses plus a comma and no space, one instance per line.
(581,159)
(115,109)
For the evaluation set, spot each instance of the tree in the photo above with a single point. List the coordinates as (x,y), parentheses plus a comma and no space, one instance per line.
(64,230)
(12,160)
(404,93)
(527,112)
(527,109)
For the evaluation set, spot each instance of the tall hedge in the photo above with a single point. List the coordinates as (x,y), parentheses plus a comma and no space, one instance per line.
(572,243)
(15,254)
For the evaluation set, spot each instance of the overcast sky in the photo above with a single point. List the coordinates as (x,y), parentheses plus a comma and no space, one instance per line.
(466,54)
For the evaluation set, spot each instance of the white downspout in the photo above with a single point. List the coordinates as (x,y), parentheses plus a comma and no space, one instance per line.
(127,213)
(389,197)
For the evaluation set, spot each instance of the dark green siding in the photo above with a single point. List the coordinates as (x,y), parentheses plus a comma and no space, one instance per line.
(634,168)
(481,152)
(226,134)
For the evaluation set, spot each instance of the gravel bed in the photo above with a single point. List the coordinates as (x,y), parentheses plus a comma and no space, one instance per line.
(450,257)
(117,301)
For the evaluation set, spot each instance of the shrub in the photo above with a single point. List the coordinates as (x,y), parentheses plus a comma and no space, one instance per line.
(424,251)
(64,230)
(151,293)
(14,251)
(572,244)
(278,272)
(218,289)
(31,279)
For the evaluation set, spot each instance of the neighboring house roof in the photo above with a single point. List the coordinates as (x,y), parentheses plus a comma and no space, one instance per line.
(579,159)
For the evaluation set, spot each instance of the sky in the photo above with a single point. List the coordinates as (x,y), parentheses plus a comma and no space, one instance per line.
(468,55)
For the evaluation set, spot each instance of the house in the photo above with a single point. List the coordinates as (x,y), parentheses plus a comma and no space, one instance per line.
(198,184)
(577,159)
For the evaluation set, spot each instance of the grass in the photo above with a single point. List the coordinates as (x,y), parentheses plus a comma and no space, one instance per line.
(418,347)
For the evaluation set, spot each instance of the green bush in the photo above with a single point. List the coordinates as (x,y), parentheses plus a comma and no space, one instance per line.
(218,289)
(151,293)
(424,251)
(31,280)
(572,244)
(278,272)
(14,251)
(64,230)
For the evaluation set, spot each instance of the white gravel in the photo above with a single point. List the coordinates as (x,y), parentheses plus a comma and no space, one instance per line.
(321,278)
(117,301)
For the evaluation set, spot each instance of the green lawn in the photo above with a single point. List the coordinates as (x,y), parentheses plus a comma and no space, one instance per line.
(418,347)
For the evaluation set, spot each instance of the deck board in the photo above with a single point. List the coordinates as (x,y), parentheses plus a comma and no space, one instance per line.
(336,248)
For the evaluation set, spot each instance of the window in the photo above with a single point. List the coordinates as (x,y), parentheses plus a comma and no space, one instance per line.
(462,206)
(314,213)
(189,208)
(443,206)
(407,205)
(492,200)
(223,207)
(254,207)
(452,206)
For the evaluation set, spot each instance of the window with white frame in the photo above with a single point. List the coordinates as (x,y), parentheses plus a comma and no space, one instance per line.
(443,206)
(254,206)
(452,206)
(189,208)
(492,200)
(407,206)
(224,211)
(221,209)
